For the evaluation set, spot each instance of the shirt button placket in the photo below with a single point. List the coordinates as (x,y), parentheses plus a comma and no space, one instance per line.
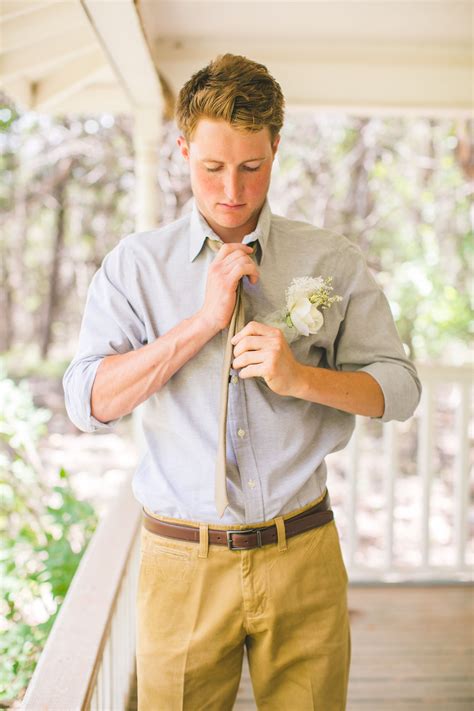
(253,503)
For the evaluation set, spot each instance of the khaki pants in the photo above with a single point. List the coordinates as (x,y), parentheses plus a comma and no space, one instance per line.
(198,604)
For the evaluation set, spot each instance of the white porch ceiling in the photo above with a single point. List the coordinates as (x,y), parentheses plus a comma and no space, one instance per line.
(383,56)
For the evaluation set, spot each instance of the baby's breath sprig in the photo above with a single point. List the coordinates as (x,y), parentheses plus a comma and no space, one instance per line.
(321,296)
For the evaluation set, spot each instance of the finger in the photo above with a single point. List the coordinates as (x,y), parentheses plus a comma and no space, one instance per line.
(250,343)
(242,269)
(232,261)
(248,358)
(236,257)
(254,328)
(230,247)
(252,371)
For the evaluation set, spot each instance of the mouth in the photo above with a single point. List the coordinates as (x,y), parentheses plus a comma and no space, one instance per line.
(230,207)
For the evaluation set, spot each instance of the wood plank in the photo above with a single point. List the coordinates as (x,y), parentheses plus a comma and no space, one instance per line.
(69,79)
(44,54)
(45,20)
(412,650)
(412,647)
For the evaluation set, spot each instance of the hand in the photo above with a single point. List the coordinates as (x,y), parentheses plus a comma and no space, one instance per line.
(261,350)
(231,263)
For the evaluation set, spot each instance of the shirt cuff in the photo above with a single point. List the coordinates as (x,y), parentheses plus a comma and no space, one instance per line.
(77,383)
(401,390)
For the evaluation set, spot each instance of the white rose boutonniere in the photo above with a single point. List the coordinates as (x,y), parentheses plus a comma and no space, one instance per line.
(302,316)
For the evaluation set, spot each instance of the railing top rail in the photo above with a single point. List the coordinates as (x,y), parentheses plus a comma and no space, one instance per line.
(67,667)
(452,373)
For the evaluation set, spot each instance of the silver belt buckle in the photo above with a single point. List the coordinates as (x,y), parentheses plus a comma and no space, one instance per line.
(230,544)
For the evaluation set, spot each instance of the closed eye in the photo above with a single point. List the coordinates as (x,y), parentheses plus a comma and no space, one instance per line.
(245,167)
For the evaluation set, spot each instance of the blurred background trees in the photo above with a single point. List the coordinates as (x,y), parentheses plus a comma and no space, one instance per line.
(398,187)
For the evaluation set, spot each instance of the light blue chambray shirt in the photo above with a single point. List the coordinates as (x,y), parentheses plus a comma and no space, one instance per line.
(276,444)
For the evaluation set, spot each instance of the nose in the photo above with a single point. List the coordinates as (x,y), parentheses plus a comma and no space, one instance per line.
(232,186)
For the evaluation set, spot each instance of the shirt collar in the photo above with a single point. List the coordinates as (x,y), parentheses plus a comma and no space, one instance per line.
(199,230)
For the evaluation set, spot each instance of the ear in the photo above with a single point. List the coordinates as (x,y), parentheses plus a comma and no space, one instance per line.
(183,147)
(275,144)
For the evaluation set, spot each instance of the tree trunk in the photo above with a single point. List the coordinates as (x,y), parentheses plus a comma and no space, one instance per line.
(6,303)
(59,193)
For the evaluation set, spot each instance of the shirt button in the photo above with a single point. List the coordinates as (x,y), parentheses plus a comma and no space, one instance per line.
(241,433)
(251,483)
(234,379)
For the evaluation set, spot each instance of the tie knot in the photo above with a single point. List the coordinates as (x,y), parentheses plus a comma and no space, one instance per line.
(215,245)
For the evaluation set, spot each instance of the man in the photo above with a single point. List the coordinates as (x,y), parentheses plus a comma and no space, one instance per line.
(155,328)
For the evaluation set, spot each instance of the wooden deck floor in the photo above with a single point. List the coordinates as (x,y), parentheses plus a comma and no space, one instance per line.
(412,650)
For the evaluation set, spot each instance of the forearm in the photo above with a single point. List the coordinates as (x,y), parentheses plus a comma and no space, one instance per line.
(124,381)
(350,391)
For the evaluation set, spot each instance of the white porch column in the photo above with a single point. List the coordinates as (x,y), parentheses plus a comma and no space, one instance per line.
(146,138)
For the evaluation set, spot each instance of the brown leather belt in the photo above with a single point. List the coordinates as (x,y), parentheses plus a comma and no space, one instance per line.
(243,539)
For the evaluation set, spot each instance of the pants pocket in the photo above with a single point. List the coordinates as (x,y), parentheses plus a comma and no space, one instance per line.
(165,558)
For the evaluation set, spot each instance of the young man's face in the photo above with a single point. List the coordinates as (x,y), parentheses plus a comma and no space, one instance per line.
(230,174)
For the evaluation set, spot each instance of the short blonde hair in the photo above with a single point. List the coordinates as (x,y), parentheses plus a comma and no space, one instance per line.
(234,89)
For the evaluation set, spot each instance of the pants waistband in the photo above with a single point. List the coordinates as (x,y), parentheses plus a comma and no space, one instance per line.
(238,526)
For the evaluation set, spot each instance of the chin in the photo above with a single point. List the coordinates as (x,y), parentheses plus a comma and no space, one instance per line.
(232,222)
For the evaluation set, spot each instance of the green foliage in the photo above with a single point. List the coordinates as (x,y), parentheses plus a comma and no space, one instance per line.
(399,188)
(44,530)
(8,114)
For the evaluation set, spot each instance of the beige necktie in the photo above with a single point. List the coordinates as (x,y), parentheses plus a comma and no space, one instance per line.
(237,323)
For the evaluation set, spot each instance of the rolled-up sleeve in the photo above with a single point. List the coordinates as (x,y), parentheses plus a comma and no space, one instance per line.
(368,340)
(110,325)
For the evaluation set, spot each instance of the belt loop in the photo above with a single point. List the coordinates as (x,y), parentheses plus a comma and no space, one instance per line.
(203,540)
(280,525)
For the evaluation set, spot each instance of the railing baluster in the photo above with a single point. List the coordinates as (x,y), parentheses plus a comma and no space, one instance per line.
(114,660)
(122,672)
(353,472)
(127,642)
(461,475)
(425,448)
(124,641)
(391,452)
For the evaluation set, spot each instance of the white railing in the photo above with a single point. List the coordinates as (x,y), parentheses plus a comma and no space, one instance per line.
(446,394)
(89,659)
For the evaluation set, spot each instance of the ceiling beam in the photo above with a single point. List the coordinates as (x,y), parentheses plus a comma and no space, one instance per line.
(14,8)
(67,80)
(96,98)
(40,57)
(396,53)
(20,91)
(45,21)
(122,38)
(345,76)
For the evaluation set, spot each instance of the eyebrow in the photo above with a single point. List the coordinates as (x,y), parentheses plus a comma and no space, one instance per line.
(249,160)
